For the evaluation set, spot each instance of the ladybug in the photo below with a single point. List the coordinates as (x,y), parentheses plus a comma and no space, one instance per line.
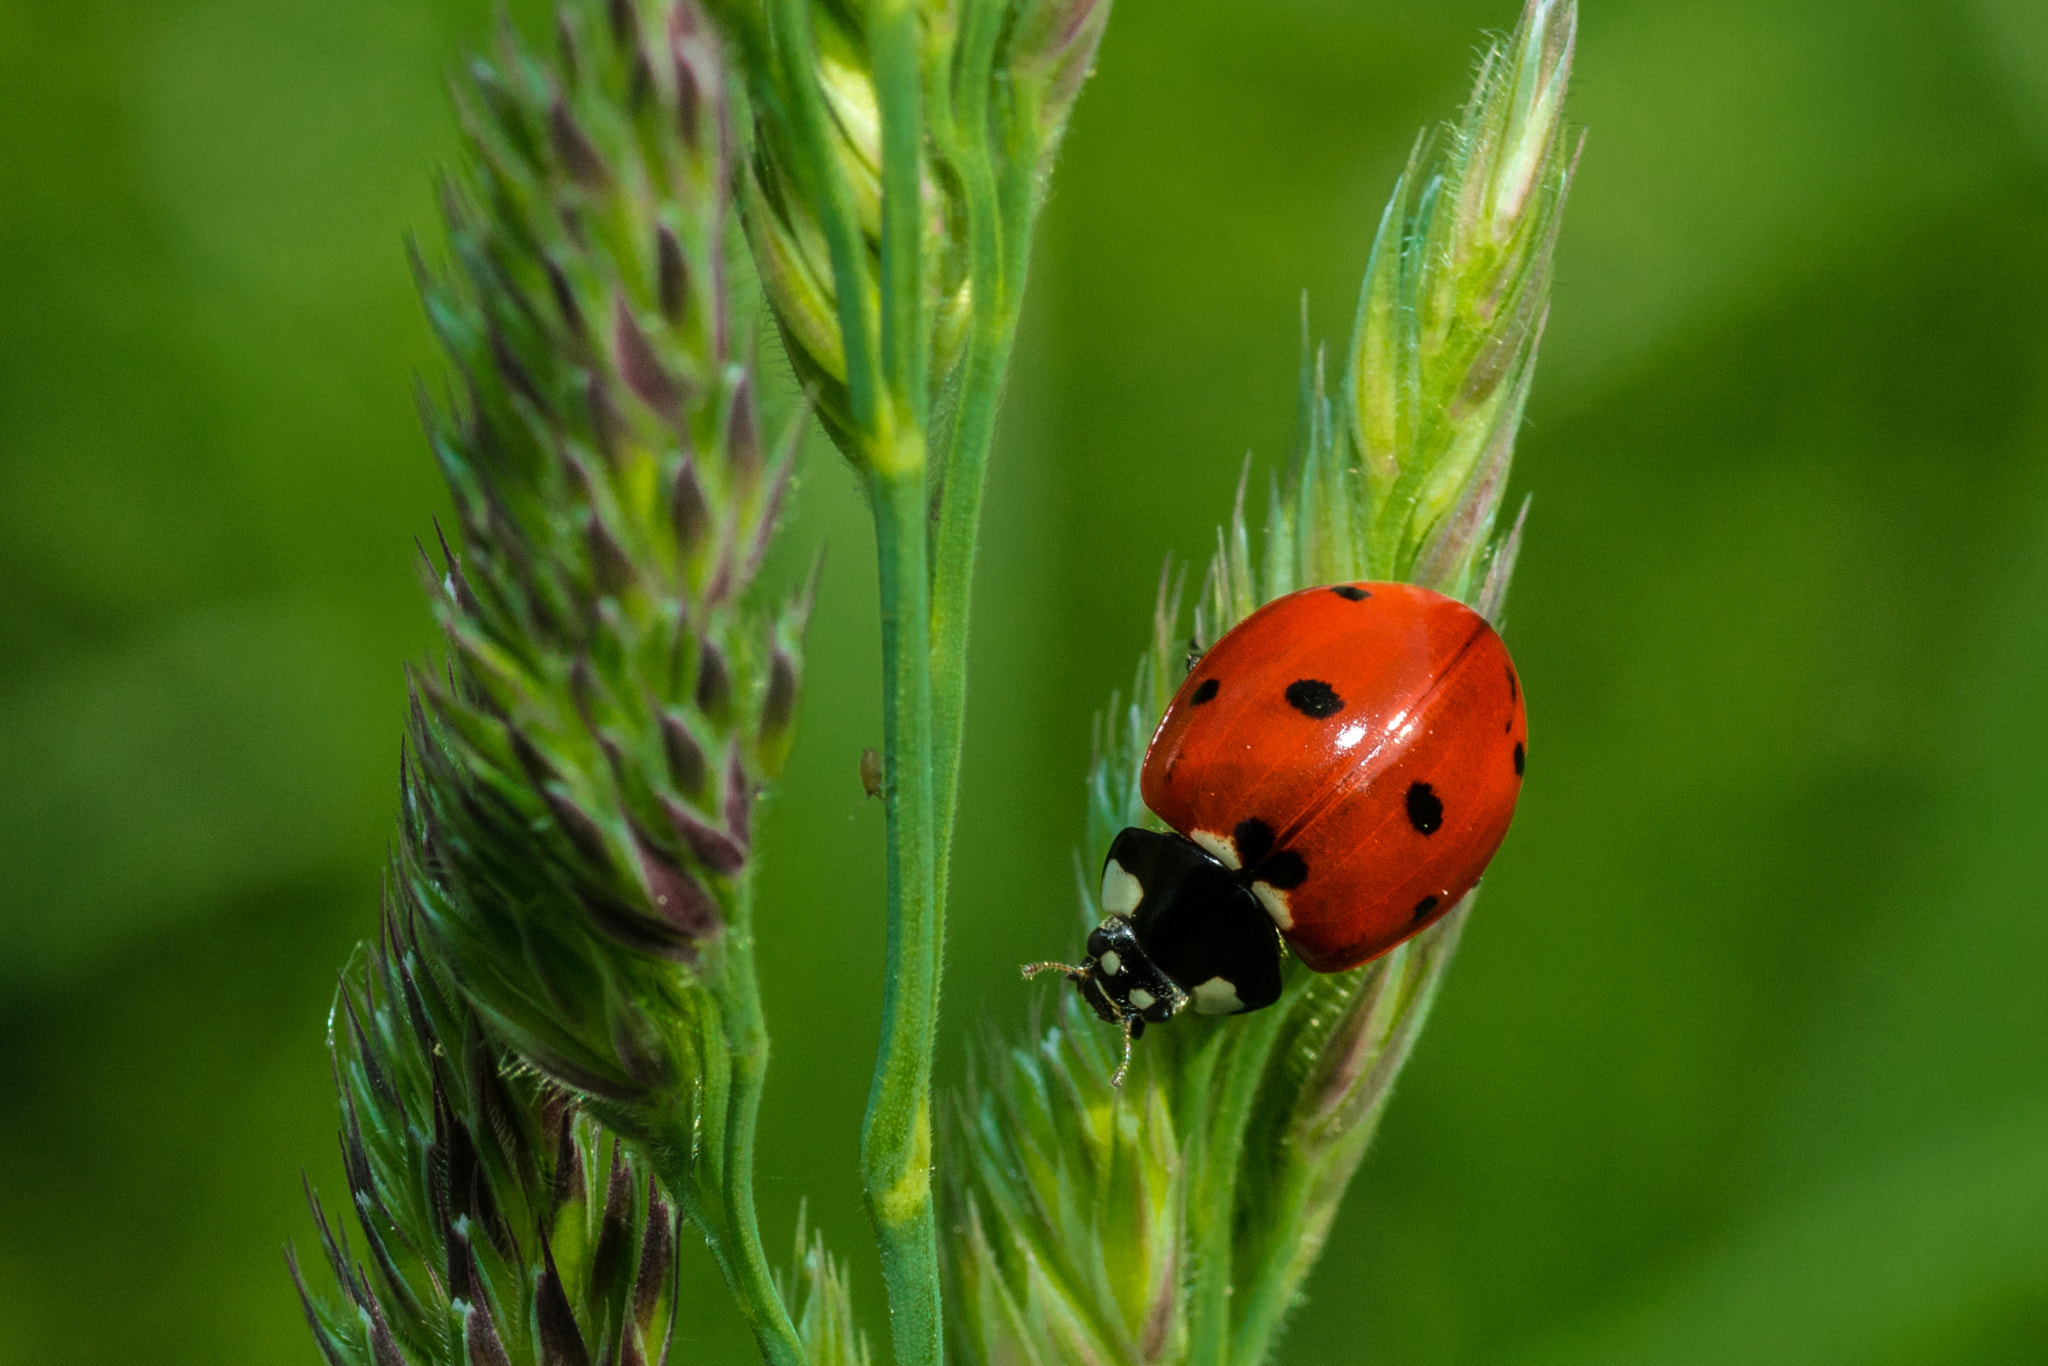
(1337,772)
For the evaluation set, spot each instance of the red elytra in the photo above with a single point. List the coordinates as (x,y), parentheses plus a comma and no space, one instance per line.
(1377,731)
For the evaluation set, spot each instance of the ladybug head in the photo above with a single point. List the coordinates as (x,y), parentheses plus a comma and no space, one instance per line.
(1120,983)
(1180,931)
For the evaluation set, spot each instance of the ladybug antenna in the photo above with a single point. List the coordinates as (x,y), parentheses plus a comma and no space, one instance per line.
(1031,970)
(1117,1078)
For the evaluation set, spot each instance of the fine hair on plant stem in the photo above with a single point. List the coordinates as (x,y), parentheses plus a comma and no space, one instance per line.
(551,1056)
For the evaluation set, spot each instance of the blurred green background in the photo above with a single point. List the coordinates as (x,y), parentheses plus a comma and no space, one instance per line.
(1746,1055)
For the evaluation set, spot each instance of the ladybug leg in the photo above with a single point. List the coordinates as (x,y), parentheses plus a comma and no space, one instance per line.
(1131,1024)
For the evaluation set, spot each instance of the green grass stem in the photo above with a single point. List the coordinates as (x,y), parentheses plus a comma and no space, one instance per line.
(896,1135)
(752,1283)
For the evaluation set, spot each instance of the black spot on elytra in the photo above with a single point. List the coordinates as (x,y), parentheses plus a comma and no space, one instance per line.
(1519,758)
(1514,688)
(1204,690)
(1425,808)
(1286,870)
(1254,840)
(1422,908)
(1351,592)
(1314,698)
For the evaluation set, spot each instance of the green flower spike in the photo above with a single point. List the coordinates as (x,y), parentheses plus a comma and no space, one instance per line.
(580,781)
(994,83)
(499,1224)
(1069,1201)
(823,1306)
(1070,1238)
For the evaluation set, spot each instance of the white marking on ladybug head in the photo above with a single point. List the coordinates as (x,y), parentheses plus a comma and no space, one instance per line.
(1142,999)
(1111,964)
(1121,892)
(1217,997)
(1222,847)
(1275,902)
